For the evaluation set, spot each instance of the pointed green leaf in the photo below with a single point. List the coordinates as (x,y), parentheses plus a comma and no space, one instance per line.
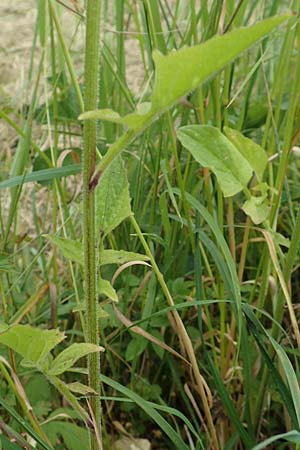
(67,358)
(120,257)
(252,152)
(33,344)
(135,120)
(102,114)
(101,313)
(80,388)
(181,71)
(213,150)
(112,197)
(72,250)
(257,208)
(105,288)
(135,348)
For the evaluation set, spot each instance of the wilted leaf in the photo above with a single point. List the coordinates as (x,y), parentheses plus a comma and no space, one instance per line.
(67,358)
(213,150)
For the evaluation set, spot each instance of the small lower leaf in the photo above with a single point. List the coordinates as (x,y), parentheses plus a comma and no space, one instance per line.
(80,388)
(105,288)
(120,257)
(67,358)
(73,250)
(257,208)
(70,249)
(135,348)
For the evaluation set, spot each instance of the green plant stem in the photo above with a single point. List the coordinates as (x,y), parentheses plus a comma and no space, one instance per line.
(89,240)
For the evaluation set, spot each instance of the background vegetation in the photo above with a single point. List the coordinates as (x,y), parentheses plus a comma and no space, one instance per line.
(197,260)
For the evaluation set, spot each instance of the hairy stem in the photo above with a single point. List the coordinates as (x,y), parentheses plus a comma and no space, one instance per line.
(89,240)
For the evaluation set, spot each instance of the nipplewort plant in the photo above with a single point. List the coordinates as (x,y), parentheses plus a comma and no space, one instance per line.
(166,230)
